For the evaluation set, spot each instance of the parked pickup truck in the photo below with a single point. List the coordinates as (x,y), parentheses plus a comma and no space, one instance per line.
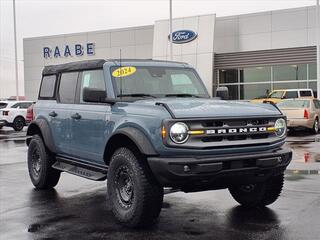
(144,125)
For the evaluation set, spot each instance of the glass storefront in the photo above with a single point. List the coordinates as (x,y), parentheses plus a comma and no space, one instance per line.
(253,82)
(228,76)
(255,74)
(289,72)
(250,91)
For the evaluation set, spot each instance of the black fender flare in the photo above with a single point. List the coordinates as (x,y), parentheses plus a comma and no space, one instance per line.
(41,126)
(137,137)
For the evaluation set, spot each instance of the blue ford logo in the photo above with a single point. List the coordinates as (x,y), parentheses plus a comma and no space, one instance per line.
(183,36)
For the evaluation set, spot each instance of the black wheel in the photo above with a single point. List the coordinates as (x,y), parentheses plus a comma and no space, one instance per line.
(315,128)
(42,175)
(135,196)
(1,127)
(260,194)
(18,123)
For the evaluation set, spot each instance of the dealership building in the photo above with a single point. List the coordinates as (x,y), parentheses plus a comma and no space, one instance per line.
(251,54)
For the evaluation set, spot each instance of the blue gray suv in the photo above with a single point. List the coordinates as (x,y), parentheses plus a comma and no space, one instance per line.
(144,125)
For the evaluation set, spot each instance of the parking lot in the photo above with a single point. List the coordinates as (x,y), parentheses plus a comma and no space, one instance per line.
(78,208)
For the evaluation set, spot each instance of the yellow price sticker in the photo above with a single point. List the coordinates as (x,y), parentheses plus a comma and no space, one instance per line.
(124,71)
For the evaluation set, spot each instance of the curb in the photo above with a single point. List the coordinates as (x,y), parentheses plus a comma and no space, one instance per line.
(303,172)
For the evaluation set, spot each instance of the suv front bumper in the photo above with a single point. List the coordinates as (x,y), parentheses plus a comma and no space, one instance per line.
(3,123)
(195,173)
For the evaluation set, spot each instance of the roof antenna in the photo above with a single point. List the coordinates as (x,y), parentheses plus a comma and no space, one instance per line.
(120,76)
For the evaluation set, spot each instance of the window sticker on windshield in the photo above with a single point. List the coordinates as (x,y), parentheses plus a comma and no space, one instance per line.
(124,71)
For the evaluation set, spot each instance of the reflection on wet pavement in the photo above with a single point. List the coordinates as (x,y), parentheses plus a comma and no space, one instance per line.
(305,146)
(79,209)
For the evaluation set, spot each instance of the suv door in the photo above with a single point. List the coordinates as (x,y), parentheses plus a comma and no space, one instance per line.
(90,127)
(61,112)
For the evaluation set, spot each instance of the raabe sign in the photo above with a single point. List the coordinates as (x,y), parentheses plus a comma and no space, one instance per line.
(183,36)
(69,51)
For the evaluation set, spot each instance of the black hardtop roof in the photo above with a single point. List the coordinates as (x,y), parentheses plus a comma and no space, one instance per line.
(95,64)
(73,66)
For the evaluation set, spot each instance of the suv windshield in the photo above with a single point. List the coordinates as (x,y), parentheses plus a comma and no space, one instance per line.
(277,94)
(157,82)
(3,105)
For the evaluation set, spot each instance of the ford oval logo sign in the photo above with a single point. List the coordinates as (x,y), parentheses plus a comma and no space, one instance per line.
(183,36)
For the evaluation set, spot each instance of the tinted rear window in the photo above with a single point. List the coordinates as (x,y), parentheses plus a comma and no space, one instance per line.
(48,86)
(291,94)
(305,94)
(294,104)
(3,105)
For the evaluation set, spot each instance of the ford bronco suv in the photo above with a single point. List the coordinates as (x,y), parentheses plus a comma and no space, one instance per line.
(144,125)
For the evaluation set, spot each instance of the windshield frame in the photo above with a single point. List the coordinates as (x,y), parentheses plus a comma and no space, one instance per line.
(116,92)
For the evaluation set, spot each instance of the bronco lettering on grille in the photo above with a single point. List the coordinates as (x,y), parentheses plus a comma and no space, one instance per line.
(236,130)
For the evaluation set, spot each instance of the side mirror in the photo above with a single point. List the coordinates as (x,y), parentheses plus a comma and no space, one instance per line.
(96,95)
(222,93)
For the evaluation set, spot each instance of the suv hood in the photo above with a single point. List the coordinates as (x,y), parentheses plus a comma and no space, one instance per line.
(206,108)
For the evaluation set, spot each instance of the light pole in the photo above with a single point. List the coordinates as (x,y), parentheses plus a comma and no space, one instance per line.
(15,49)
(170,30)
(318,49)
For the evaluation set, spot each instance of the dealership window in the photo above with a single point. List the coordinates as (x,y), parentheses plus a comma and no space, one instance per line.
(313,86)
(67,88)
(290,72)
(228,75)
(251,91)
(312,71)
(290,85)
(252,82)
(255,74)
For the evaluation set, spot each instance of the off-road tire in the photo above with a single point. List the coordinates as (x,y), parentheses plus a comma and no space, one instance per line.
(146,200)
(315,128)
(18,124)
(262,194)
(46,177)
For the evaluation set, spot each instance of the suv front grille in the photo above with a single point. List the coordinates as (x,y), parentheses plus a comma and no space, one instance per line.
(230,133)
(233,130)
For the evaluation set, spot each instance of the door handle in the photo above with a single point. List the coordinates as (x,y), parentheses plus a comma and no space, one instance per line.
(76,116)
(53,114)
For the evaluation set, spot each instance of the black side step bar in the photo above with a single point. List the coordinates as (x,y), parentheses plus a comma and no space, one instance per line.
(82,169)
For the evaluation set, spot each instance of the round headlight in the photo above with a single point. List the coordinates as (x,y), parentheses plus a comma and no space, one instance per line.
(280,127)
(179,132)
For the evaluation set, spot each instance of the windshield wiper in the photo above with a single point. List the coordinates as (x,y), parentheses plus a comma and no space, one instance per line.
(182,95)
(136,95)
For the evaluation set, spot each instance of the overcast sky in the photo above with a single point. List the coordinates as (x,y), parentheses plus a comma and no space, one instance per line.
(49,17)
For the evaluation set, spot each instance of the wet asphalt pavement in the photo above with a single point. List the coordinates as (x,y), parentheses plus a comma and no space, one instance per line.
(78,208)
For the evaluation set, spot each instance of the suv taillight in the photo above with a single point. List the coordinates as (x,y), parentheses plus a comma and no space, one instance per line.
(5,113)
(305,114)
(29,116)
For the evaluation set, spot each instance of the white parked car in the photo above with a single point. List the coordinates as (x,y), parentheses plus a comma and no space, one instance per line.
(13,114)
